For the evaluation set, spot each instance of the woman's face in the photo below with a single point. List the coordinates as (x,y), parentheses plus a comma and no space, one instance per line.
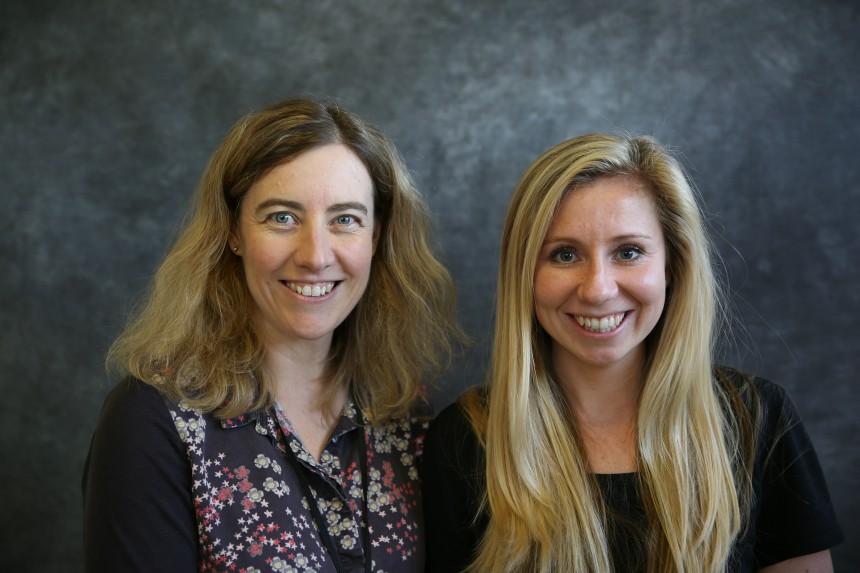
(306,233)
(600,280)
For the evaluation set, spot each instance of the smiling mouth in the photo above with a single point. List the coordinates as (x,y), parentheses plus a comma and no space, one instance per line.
(602,324)
(310,289)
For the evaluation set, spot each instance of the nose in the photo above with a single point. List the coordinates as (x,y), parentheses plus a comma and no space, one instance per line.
(598,284)
(314,250)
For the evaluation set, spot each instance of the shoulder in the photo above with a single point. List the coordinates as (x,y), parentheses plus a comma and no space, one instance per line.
(134,429)
(417,414)
(134,407)
(136,486)
(736,380)
(792,510)
(134,436)
(402,434)
(732,379)
(454,486)
(453,422)
(736,383)
(133,392)
(792,513)
(770,405)
(451,439)
(767,407)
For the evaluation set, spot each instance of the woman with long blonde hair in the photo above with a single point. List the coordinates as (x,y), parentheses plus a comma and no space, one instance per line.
(607,439)
(271,413)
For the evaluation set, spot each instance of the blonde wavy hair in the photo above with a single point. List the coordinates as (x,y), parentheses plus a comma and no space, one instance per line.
(193,336)
(546,511)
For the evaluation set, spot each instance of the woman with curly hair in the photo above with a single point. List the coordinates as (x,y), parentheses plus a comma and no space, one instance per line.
(270,419)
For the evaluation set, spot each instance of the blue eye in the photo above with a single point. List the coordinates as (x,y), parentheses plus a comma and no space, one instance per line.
(345,220)
(283,218)
(629,253)
(563,255)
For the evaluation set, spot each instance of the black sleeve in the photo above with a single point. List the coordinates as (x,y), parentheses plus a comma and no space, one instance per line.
(451,474)
(138,511)
(795,516)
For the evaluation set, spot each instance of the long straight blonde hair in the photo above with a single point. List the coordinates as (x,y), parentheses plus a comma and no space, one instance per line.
(545,510)
(193,336)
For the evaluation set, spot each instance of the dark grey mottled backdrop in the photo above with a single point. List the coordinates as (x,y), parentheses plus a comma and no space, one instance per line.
(109,111)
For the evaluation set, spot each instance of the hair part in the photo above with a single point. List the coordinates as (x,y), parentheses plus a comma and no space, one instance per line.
(193,336)
(546,510)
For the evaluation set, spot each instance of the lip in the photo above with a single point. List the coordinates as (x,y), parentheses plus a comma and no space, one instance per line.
(591,333)
(312,299)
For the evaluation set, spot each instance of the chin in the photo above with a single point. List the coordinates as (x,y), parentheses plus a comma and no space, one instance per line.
(304,332)
(604,359)
(314,333)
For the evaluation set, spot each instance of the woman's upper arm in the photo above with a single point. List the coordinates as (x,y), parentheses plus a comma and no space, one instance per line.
(796,519)
(812,563)
(138,510)
(449,467)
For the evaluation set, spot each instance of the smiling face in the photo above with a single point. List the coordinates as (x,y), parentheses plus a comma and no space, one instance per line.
(600,279)
(305,233)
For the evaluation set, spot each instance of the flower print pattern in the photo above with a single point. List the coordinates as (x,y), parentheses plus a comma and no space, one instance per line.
(251,510)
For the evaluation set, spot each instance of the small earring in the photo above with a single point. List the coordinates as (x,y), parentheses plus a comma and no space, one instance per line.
(236,250)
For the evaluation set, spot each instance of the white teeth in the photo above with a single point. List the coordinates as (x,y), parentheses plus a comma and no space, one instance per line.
(314,290)
(604,324)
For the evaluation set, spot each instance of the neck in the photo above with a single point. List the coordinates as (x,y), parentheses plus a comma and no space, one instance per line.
(601,395)
(298,374)
(298,377)
(604,401)
(295,367)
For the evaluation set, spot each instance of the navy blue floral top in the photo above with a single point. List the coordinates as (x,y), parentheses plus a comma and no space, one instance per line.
(168,488)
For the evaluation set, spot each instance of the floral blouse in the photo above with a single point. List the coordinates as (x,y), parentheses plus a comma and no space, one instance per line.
(251,507)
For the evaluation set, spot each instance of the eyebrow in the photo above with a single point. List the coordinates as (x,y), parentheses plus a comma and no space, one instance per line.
(296,206)
(616,239)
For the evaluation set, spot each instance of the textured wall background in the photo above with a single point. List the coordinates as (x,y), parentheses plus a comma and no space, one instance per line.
(109,110)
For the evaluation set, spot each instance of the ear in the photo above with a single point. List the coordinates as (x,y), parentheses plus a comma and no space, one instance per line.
(234,243)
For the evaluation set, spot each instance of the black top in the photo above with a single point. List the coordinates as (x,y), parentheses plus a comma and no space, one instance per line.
(791,513)
(168,488)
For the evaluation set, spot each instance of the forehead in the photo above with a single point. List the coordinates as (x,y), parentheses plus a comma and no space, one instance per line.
(619,204)
(327,174)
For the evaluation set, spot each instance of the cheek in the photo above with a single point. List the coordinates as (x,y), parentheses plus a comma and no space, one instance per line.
(551,286)
(550,291)
(260,258)
(357,257)
(542,288)
(650,288)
